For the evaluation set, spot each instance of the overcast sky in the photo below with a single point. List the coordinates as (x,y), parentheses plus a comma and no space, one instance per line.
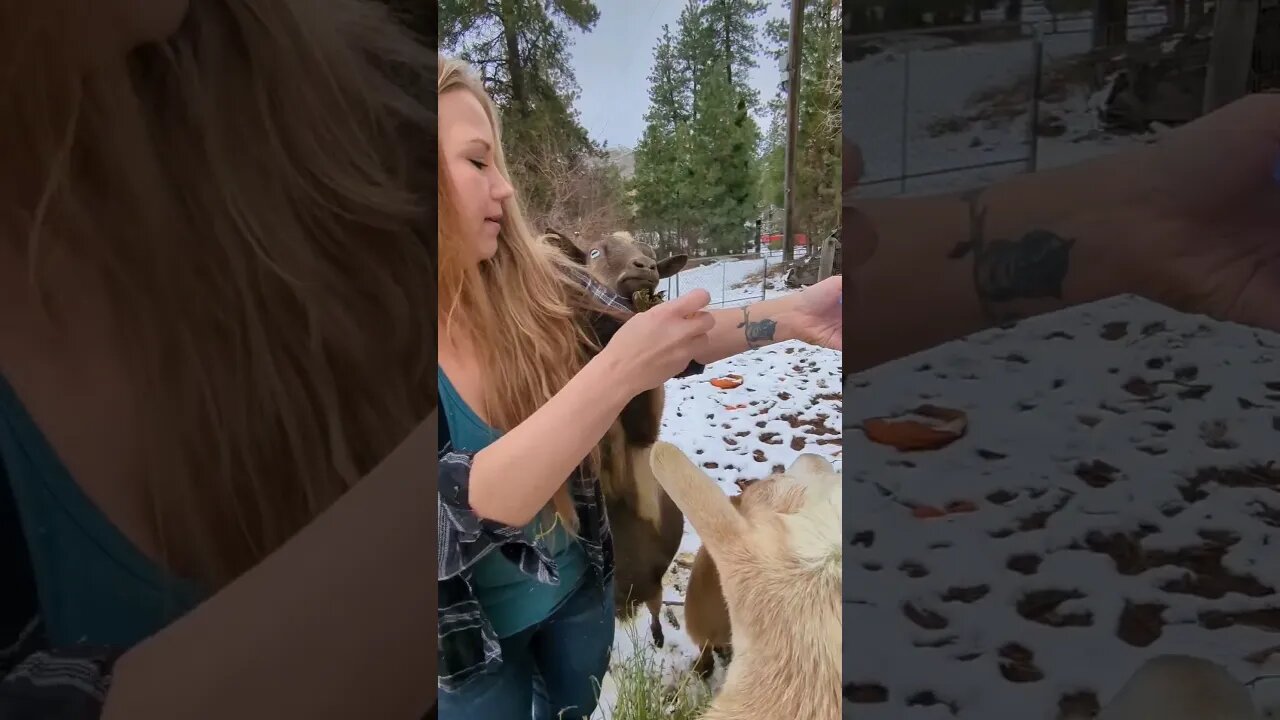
(612,64)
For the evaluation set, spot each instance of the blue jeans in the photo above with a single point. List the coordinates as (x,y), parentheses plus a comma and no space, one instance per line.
(553,669)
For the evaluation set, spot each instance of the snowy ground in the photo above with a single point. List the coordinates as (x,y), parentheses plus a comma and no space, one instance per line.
(788,404)
(1119,459)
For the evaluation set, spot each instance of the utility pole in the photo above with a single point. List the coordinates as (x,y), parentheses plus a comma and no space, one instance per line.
(793,114)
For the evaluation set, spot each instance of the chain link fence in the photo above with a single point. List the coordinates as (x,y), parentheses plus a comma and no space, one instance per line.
(949,108)
(733,280)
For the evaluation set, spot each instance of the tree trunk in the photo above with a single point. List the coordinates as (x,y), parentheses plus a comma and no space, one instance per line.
(1196,12)
(1013,11)
(515,68)
(1177,14)
(1235,24)
(1110,23)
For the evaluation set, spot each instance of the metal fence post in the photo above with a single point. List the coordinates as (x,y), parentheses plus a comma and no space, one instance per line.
(906,102)
(764,283)
(1037,70)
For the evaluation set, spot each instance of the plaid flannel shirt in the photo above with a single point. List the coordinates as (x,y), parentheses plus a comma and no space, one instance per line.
(467,643)
(38,682)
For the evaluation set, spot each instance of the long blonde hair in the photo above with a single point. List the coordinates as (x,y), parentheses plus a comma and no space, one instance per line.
(522,308)
(245,192)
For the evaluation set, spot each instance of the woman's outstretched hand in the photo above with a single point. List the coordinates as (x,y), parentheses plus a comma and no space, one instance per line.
(1206,215)
(657,344)
(816,317)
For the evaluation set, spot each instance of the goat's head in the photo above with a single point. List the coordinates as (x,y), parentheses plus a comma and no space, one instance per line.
(618,260)
(783,539)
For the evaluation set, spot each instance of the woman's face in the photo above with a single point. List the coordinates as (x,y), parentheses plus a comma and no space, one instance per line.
(467,142)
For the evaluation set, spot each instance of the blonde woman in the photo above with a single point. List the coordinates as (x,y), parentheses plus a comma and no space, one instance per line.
(533,369)
(215,267)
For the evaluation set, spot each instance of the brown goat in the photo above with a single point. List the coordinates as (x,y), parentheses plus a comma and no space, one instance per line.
(706,616)
(779,557)
(647,526)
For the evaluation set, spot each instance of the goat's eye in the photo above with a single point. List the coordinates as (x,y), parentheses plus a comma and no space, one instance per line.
(595,253)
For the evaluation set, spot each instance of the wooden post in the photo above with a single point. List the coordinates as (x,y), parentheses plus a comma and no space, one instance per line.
(1235,24)
(793,121)
(827,261)
(1110,23)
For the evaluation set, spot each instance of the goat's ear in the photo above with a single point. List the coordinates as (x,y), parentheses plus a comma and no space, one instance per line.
(708,508)
(672,265)
(566,245)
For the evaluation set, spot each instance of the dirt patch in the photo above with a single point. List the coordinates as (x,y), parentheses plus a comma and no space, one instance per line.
(1097,474)
(1081,703)
(1250,476)
(925,618)
(1041,606)
(929,698)
(969,594)
(815,426)
(1264,619)
(1017,664)
(913,569)
(1206,576)
(866,693)
(1025,563)
(1141,623)
(1034,521)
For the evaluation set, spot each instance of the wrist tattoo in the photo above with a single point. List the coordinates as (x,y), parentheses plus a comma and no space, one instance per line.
(758,332)
(1032,266)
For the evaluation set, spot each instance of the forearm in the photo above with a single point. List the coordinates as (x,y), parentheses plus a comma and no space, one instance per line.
(337,623)
(947,266)
(751,326)
(515,477)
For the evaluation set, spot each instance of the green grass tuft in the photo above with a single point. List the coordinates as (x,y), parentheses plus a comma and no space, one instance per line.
(645,690)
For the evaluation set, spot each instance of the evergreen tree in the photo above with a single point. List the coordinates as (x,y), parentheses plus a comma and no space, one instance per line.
(733,30)
(817,165)
(722,163)
(520,49)
(658,154)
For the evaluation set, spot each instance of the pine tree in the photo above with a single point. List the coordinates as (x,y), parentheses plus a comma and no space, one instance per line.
(657,156)
(817,166)
(731,23)
(696,165)
(519,48)
(722,163)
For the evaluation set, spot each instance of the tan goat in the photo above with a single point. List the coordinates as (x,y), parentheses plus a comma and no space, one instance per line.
(779,558)
(647,527)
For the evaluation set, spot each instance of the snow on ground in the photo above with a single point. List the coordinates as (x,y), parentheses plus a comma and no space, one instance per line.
(788,404)
(1118,456)
(938,80)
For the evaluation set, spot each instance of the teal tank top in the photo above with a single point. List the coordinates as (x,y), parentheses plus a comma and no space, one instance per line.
(94,586)
(512,600)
